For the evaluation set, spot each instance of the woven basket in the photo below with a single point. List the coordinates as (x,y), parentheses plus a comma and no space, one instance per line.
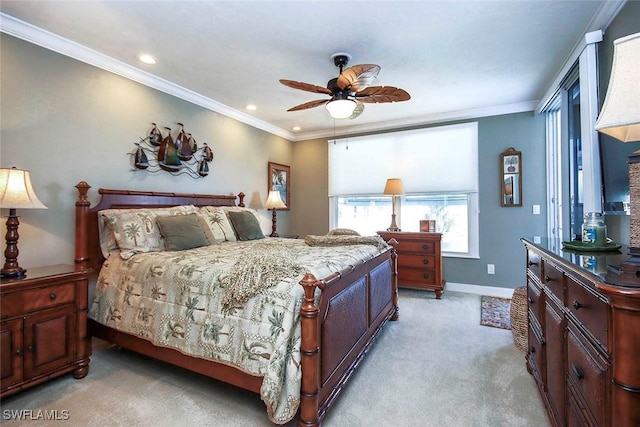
(520,318)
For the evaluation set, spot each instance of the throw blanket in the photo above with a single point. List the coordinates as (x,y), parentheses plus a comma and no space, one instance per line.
(258,269)
(339,240)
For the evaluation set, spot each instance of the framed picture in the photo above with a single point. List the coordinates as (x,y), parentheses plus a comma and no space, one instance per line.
(511,178)
(279,178)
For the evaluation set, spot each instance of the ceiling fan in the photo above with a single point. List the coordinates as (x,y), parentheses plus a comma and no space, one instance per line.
(350,90)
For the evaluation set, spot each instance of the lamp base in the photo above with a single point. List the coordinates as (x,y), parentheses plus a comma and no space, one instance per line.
(273,224)
(13,272)
(393,226)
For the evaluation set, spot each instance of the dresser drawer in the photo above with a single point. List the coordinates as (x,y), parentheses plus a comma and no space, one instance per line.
(588,374)
(415,247)
(533,298)
(589,310)
(421,275)
(418,261)
(554,279)
(534,264)
(28,300)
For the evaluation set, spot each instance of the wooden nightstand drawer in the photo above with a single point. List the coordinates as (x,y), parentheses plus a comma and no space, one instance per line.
(417,275)
(418,261)
(408,246)
(30,300)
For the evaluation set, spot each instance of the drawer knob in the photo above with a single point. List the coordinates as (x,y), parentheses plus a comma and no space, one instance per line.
(533,349)
(577,372)
(52,296)
(425,261)
(532,263)
(31,348)
(531,301)
(577,305)
(425,247)
(425,275)
(547,278)
(18,352)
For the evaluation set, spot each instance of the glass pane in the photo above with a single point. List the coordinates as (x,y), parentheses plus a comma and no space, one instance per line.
(365,214)
(451,213)
(575,159)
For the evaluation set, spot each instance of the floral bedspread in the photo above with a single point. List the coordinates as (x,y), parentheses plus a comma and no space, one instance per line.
(175,299)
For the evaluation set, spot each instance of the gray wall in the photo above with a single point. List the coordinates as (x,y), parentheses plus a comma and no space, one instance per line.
(500,228)
(66,121)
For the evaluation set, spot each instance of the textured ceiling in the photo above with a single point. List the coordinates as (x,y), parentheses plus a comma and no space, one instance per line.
(456,58)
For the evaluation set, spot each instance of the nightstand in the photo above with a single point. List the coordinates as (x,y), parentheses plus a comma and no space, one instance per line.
(419,260)
(43,326)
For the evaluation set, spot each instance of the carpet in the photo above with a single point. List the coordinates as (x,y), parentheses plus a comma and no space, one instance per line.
(494,312)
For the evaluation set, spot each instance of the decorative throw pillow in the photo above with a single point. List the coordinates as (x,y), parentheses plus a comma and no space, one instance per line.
(136,231)
(216,225)
(246,225)
(343,232)
(182,232)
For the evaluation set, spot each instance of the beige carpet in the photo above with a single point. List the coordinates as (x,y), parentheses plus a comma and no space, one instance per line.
(435,367)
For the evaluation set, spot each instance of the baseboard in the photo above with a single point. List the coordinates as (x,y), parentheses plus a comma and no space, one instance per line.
(493,291)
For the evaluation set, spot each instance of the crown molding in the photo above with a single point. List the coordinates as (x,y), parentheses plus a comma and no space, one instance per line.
(51,41)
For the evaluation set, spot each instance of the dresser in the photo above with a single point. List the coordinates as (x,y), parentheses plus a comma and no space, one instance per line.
(584,335)
(419,260)
(43,327)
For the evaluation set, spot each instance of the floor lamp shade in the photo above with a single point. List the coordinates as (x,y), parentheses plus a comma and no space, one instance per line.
(620,118)
(274,202)
(393,188)
(16,192)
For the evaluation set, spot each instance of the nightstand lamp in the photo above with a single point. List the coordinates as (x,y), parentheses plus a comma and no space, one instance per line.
(274,201)
(15,192)
(620,118)
(394,188)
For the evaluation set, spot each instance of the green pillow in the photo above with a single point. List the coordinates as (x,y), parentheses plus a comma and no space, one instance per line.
(246,225)
(182,232)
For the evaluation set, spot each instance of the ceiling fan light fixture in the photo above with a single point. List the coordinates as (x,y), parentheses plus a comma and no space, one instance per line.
(341,108)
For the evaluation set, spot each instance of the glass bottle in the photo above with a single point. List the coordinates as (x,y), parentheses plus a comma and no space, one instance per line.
(594,230)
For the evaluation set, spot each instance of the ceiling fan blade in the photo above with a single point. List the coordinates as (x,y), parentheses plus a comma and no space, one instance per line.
(310,104)
(305,86)
(378,94)
(358,110)
(358,77)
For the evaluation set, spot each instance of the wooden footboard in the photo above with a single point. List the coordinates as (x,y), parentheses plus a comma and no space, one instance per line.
(336,332)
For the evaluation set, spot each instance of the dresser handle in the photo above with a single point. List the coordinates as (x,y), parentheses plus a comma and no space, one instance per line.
(425,247)
(532,263)
(531,301)
(18,352)
(577,372)
(577,305)
(31,348)
(425,275)
(533,349)
(52,296)
(548,279)
(425,261)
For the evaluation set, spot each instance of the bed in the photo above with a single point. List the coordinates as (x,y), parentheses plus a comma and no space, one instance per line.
(338,314)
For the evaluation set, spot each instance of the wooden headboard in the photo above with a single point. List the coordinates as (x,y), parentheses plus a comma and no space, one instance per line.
(87,241)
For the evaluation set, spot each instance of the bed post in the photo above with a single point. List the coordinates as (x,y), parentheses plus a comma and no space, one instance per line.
(309,354)
(82,206)
(394,273)
(241,199)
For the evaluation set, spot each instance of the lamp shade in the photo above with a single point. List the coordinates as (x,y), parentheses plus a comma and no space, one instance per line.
(16,191)
(394,187)
(274,201)
(341,108)
(620,115)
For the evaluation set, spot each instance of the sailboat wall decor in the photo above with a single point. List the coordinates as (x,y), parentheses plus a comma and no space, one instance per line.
(157,152)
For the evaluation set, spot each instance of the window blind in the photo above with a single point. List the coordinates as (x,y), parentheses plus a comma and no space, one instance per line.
(437,159)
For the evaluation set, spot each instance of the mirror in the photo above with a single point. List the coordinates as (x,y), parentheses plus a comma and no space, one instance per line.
(511,178)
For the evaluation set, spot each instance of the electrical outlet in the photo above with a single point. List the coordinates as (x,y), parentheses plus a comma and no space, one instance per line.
(491,269)
(536,209)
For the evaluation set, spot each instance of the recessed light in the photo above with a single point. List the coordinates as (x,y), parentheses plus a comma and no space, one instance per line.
(296,128)
(147,59)
(251,107)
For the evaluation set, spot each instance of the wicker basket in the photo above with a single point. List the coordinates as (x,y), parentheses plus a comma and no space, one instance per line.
(520,318)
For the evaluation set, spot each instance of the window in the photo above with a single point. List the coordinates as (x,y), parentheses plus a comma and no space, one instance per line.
(439,169)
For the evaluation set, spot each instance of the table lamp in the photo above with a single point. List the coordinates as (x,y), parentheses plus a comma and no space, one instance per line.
(394,188)
(15,192)
(620,118)
(274,201)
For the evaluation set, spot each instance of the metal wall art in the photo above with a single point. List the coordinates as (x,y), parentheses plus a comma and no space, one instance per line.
(157,153)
